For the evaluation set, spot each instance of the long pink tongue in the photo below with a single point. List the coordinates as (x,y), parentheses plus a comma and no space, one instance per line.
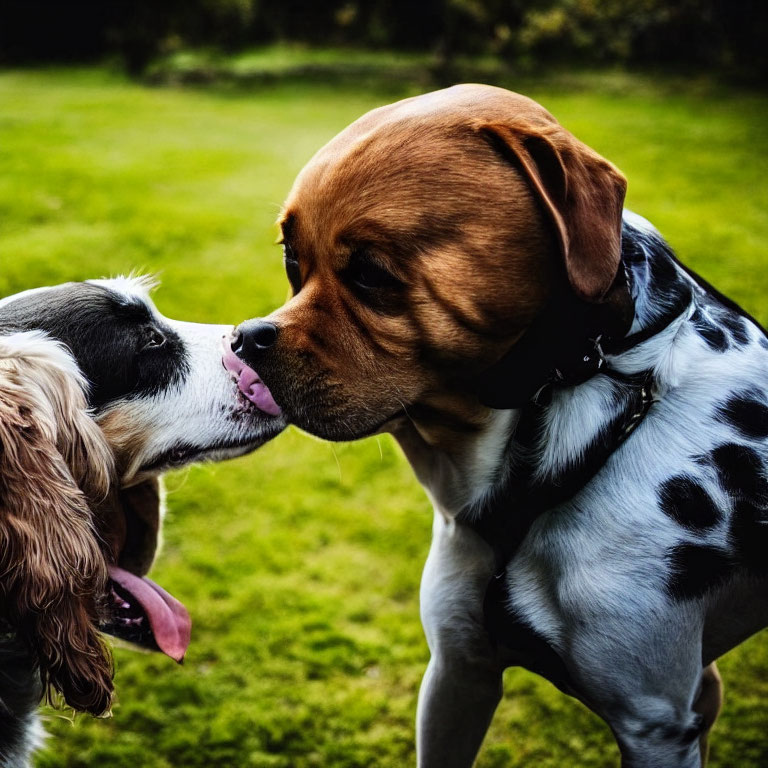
(249,383)
(168,618)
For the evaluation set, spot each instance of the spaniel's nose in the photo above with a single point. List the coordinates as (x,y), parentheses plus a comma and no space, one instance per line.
(253,336)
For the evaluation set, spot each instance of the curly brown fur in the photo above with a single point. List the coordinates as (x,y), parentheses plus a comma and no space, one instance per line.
(54,462)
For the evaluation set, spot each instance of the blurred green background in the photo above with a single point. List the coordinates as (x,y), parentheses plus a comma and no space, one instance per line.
(727,36)
(301,563)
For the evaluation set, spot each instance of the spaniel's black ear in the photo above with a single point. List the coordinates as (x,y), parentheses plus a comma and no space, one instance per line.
(54,464)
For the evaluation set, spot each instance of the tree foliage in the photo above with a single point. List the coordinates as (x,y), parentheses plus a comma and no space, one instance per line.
(730,36)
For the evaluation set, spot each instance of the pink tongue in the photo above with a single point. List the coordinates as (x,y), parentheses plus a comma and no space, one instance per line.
(168,618)
(249,383)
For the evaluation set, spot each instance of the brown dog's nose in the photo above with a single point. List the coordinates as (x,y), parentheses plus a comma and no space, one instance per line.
(252,337)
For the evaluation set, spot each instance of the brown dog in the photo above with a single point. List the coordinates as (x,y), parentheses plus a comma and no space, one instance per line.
(464,278)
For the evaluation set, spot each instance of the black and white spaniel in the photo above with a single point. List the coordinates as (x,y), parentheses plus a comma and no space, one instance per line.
(99,394)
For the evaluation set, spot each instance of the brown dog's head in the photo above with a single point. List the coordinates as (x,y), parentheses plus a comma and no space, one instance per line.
(421,243)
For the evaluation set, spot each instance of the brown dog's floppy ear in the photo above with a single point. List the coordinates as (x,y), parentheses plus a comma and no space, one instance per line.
(54,463)
(581,192)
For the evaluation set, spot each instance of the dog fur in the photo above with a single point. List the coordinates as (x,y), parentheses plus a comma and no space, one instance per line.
(588,417)
(99,394)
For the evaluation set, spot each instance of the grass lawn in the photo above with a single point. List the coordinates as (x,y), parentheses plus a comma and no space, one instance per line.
(301,563)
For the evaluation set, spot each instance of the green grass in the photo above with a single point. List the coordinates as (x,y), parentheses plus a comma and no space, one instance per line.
(301,563)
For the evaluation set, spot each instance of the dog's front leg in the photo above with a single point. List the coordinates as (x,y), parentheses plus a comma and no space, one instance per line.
(462,685)
(456,703)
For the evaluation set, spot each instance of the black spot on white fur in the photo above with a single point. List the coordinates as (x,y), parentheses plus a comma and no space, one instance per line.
(747,415)
(736,326)
(694,570)
(740,471)
(529,649)
(749,534)
(742,475)
(663,271)
(686,502)
(712,333)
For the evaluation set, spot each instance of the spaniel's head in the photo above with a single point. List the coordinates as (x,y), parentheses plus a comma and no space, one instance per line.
(99,394)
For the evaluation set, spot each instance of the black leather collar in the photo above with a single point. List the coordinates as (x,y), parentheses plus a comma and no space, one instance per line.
(564,346)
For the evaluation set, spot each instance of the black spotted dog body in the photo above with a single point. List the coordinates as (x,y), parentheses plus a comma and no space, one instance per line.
(587,417)
(638,562)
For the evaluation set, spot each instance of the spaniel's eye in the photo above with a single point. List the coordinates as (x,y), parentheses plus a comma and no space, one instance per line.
(153,339)
(177,456)
(292,269)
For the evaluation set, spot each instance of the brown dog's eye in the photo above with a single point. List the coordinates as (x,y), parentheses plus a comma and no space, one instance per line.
(367,274)
(369,277)
(292,269)
(374,285)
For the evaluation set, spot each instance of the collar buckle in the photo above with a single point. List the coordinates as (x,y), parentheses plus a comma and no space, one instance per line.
(584,365)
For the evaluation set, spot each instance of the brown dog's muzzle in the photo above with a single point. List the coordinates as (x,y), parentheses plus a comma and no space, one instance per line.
(287,363)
